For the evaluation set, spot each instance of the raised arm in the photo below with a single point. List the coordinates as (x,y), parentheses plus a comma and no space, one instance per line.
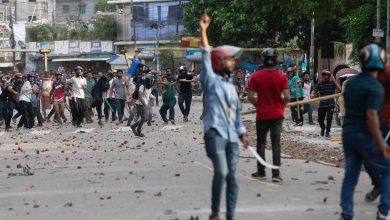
(207,70)
(204,25)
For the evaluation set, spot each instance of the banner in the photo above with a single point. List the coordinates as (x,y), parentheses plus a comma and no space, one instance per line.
(96,47)
(47,45)
(62,47)
(74,47)
(85,47)
(107,46)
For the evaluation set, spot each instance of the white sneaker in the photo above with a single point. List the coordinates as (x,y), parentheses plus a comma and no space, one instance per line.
(380,216)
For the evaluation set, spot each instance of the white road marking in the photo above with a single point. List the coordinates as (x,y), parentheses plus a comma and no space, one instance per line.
(44,132)
(171,127)
(84,130)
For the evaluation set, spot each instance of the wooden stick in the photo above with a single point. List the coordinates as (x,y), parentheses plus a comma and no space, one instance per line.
(291,104)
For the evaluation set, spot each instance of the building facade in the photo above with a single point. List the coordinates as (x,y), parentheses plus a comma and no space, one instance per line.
(73,12)
(31,10)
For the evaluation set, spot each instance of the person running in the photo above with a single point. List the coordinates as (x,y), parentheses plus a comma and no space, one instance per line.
(169,101)
(120,88)
(307,90)
(9,97)
(36,98)
(327,86)
(223,126)
(108,101)
(362,139)
(184,87)
(269,84)
(57,97)
(88,98)
(102,86)
(142,105)
(25,105)
(77,85)
(296,93)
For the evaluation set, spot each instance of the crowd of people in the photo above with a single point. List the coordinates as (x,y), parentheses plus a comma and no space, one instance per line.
(84,93)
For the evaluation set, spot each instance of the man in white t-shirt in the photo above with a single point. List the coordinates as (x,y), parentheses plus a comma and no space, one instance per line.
(77,84)
(142,105)
(307,89)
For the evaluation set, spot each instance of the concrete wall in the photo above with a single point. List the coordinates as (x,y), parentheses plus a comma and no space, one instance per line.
(24,9)
(75,12)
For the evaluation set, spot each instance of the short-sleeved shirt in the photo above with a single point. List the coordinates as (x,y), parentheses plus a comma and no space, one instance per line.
(384,79)
(88,90)
(292,83)
(77,84)
(119,86)
(185,87)
(269,85)
(325,88)
(59,91)
(170,94)
(362,92)
(146,95)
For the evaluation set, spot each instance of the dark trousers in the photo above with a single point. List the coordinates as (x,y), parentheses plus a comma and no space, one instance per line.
(98,103)
(141,112)
(8,111)
(155,93)
(119,107)
(37,113)
(168,105)
(51,113)
(262,128)
(27,119)
(325,112)
(296,112)
(185,99)
(107,109)
(78,109)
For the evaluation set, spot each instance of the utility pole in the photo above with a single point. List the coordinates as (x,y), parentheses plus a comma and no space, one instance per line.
(312,48)
(378,18)
(12,38)
(158,38)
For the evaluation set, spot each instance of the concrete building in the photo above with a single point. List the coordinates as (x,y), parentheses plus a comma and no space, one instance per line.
(31,10)
(73,11)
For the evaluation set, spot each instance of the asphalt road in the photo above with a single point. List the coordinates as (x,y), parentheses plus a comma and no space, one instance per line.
(107,173)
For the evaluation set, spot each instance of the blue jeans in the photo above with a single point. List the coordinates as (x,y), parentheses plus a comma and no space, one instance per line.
(168,106)
(140,112)
(149,116)
(132,115)
(8,111)
(224,156)
(359,148)
(307,108)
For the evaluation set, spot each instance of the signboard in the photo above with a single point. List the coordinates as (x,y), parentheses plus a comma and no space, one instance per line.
(62,47)
(74,47)
(190,41)
(5,44)
(96,47)
(47,45)
(85,47)
(106,46)
(377,32)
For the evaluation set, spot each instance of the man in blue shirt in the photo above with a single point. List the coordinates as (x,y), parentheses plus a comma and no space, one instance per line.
(222,120)
(362,139)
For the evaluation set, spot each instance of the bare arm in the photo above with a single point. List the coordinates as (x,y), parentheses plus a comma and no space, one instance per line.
(338,87)
(373,127)
(204,24)
(286,96)
(251,97)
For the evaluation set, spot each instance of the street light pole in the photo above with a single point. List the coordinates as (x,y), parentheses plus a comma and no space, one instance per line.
(378,18)
(312,47)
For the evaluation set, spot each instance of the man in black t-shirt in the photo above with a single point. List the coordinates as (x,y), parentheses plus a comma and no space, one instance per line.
(184,87)
(327,86)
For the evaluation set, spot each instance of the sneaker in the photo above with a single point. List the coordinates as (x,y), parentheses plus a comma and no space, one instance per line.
(327,135)
(229,218)
(48,120)
(214,216)
(173,122)
(380,216)
(373,195)
(299,124)
(277,179)
(74,123)
(141,135)
(106,119)
(185,119)
(259,176)
(39,125)
(134,131)
(322,133)
(100,123)
(64,120)
(79,126)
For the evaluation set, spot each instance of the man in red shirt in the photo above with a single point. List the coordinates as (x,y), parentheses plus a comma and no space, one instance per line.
(273,94)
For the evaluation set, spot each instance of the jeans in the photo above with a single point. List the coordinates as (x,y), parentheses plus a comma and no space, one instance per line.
(38,112)
(297,118)
(155,93)
(168,106)
(307,108)
(149,116)
(262,128)
(359,148)
(371,171)
(325,112)
(27,115)
(132,115)
(185,99)
(8,111)
(88,109)
(78,109)
(119,107)
(140,112)
(51,113)
(224,156)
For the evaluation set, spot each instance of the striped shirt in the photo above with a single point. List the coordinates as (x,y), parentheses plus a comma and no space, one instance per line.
(325,88)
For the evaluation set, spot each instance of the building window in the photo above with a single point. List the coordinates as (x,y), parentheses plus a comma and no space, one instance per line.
(82,9)
(4,1)
(2,16)
(32,18)
(32,0)
(65,9)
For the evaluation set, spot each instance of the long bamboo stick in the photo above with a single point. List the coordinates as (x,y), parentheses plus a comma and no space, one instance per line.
(291,104)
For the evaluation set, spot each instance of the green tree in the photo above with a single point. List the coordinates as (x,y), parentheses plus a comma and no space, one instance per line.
(105,28)
(101,5)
